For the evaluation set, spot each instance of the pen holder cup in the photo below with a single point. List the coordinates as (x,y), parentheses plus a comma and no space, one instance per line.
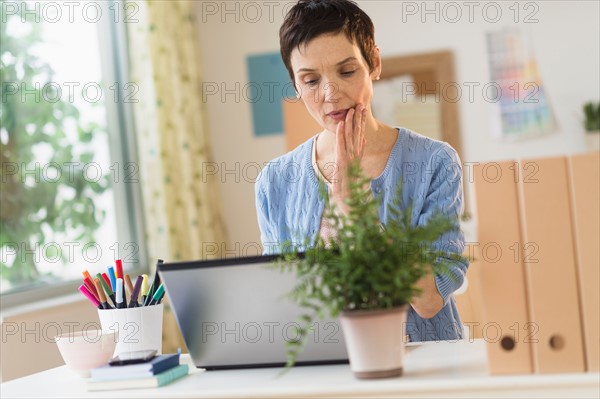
(139,328)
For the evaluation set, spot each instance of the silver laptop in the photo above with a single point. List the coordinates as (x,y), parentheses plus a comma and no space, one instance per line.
(235,313)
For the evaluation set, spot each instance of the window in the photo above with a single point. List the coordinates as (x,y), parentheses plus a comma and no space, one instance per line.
(69,191)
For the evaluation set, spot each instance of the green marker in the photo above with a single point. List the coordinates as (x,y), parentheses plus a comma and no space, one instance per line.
(107,288)
(157,295)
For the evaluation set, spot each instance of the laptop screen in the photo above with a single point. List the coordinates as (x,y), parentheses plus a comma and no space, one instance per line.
(236,313)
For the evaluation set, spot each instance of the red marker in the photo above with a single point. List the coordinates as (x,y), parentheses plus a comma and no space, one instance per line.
(89,284)
(105,278)
(119,264)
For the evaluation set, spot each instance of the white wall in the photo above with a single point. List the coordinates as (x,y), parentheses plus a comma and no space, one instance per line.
(565,38)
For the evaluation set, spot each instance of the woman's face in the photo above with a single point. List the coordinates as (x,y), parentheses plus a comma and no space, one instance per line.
(331,77)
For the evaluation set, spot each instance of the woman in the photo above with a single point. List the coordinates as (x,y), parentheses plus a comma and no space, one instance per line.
(329,51)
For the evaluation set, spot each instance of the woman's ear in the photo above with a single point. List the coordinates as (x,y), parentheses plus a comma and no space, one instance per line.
(376,74)
(297,91)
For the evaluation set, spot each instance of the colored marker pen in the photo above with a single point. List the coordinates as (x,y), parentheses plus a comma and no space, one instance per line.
(154,285)
(100,291)
(107,288)
(133,301)
(120,302)
(113,278)
(87,274)
(90,286)
(124,292)
(89,296)
(144,288)
(105,278)
(157,295)
(119,264)
(128,285)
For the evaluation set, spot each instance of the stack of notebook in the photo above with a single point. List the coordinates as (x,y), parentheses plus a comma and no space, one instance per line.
(161,370)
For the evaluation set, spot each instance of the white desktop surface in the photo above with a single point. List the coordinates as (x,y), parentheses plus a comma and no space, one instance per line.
(433,369)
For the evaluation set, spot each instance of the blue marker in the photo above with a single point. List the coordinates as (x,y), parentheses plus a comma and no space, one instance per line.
(112,277)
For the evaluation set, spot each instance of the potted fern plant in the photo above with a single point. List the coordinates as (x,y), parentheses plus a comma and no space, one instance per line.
(367,275)
(591,112)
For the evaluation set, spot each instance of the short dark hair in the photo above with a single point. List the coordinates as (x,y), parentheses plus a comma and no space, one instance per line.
(309,19)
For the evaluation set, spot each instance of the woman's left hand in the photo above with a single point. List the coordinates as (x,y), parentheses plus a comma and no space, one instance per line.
(350,144)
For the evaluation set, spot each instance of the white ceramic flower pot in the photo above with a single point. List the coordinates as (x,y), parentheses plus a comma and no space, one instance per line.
(593,140)
(375,341)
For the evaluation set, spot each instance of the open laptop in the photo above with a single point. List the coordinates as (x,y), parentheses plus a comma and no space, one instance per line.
(235,313)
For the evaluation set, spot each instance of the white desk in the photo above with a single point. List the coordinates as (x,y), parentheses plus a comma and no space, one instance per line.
(444,369)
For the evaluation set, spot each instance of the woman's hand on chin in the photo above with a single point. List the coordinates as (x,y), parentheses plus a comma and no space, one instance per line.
(350,145)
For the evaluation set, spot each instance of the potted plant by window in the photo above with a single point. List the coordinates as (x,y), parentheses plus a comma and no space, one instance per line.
(367,274)
(591,124)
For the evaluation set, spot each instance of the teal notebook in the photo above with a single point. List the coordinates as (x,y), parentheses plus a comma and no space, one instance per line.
(158,380)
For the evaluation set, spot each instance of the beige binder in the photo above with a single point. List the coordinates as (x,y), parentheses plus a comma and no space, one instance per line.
(584,172)
(502,278)
(549,258)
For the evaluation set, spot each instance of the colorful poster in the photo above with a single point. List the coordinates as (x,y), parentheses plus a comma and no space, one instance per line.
(521,103)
